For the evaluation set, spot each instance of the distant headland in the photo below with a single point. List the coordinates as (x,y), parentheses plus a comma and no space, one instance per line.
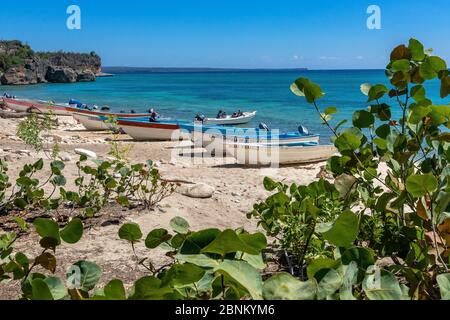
(20,65)
(119,70)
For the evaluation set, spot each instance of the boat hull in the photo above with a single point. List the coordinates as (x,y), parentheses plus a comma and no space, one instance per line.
(90,122)
(72,110)
(263,155)
(148,131)
(246,118)
(24,105)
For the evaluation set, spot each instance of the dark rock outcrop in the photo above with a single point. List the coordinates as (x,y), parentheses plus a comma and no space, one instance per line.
(20,65)
(61,75)
(86,76)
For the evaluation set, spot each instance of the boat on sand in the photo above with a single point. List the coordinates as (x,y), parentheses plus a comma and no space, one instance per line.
(38,106)
(260,154)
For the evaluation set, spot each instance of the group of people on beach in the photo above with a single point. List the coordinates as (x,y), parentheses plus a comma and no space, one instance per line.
(222,114)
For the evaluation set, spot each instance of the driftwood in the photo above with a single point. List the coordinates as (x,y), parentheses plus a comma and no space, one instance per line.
(19,115)
(13,115)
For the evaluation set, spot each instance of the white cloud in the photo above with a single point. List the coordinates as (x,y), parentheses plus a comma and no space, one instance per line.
(328,58)
(359,58)
(297,57)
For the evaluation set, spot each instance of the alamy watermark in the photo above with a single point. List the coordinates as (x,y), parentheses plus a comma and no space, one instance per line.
(73,22)
(374,20)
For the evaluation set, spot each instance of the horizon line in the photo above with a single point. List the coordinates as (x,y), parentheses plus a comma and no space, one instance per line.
(241,68)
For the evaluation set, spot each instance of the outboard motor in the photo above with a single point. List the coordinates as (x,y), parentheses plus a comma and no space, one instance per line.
(264,126)
(76,103)
(200,117)
(303,131)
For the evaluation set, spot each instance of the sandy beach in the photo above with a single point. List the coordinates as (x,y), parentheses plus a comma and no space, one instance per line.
(235,190)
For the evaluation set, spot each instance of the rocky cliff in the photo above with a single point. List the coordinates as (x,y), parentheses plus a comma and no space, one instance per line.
(19,64)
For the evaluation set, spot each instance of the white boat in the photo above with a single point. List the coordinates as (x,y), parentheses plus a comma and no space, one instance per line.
(92,119)
(263,154)
(230,120)
(38,106)
(150,131)
(91,122)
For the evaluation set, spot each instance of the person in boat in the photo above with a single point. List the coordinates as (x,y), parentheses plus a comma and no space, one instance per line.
(224,115)
(105,108)
(132,111)
(219,114)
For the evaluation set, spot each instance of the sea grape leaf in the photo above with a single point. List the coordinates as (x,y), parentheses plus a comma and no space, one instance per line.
(344,184)
(179,225)
(349,140)
(57,288)
(343,231)
(84,275)
(130,232)
(73,231)
(200,260)
(115,290)
(363,119)
(365,88)
(382,285)
(400,52)
(419,185)
(308,89)
(443,281)
(47,228)
(196,241)
(364,257)
(149,288)
(417,50)
(156,237)
(318,264)
(40,290)
(182,274)
(329,284)
(283,286)
(246,275)
(228,241)
(377,92)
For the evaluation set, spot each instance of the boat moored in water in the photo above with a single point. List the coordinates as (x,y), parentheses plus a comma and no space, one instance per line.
(244,118)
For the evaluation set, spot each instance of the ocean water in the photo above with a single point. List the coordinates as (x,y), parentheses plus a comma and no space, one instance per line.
(183,95)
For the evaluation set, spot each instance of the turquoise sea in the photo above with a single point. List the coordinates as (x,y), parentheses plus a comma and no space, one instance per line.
(183,95)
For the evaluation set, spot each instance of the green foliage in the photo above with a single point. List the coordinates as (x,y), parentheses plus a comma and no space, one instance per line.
(32,129)
(366,216)
(16,56)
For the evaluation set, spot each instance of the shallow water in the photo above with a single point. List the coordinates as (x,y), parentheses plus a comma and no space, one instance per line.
(183,95)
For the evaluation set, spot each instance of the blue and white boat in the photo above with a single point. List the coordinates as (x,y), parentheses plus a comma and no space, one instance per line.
(205,135)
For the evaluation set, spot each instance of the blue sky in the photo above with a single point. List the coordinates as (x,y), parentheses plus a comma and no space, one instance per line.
(318,34)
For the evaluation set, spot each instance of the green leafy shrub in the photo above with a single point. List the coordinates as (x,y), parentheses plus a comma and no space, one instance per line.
(31,130)
(399,219)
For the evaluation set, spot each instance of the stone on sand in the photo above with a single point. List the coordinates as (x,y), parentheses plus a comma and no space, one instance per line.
(201,191)
(87,153)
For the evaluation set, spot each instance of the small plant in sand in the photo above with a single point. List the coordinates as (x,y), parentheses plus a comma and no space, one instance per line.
(32,129)
(117,150)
